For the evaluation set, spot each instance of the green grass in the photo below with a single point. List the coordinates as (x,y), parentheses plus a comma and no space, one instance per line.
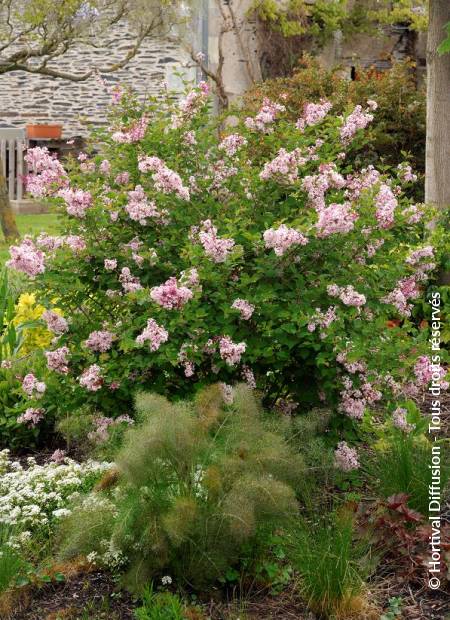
(31,225)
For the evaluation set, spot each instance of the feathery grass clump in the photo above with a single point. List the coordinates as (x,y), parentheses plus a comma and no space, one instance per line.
(199,485)
(332,564)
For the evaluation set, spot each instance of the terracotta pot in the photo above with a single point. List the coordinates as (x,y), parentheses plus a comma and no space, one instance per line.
(44,132)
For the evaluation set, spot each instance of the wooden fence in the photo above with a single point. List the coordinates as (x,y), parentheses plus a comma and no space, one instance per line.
(12,146)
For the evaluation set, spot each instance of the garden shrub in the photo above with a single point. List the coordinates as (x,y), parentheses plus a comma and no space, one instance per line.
(399,125)
(192,256)
(199,486)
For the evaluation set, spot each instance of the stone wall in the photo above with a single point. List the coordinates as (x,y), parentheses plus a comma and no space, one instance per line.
(27,98)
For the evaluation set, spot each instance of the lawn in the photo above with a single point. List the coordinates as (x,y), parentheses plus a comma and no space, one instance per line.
(31,225)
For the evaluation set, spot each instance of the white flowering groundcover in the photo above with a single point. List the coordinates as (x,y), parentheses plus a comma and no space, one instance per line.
(33,498)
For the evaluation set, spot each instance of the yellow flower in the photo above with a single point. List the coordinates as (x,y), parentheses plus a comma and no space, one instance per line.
(27,309)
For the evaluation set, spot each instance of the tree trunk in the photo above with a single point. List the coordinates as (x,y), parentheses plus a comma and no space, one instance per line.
(437,178)
(7,219)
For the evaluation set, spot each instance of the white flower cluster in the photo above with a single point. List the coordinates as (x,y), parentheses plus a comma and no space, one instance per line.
(38,495)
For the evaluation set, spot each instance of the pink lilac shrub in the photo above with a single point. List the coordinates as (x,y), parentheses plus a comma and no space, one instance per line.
(258,254)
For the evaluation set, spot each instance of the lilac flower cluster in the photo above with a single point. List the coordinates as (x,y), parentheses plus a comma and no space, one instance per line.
(282,238)
(26,258)
(77,201)
(336,219)
(425,371)
(101,433)
(166,180)
(99,341)
(399,420)
(347,295)
(322,320)
(91,378)
(245,308)
(48,175)
(138,208)
(385,203)
(190,105)
(358,119)
(130,283)
(406,173)
(31,417)
(232,143)
(170,295)
(284,166)
(133,134)
(32,386)
(266,116)
(57,360)
(345,458)
(154,334)
(313,113)
(216,248)
(231,352)
(55,323)
(317,185)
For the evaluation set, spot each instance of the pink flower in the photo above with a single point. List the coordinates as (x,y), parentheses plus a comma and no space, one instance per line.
(47,176)
(49,242)
(385,203)
(77,201)
(244,307)
(231,352)
(354,121)
(122,178)
(189,138)
(350,297)
(216,248)
(345,458)
(130,283)
(265,117)
(347,295)
(26,258)
(134,133)
(110,264)
(154,334)
(190,105)
(166,180)
(336,219)
(105,167)
(282,238)
(232,143)
(249,377)
(415,257)
(75,243)
(91,378)
(99,341)
(31,417)
(58,456)
(55,323)
(400,422)
(32,387)
(406,174)
(313,113)
(138,208)
(170,295)
(284,167)
(425,372)
(321,319)
(317,185)
(57,360)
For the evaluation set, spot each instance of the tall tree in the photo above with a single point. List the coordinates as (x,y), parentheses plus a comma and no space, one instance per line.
(437,178)
(34,34)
